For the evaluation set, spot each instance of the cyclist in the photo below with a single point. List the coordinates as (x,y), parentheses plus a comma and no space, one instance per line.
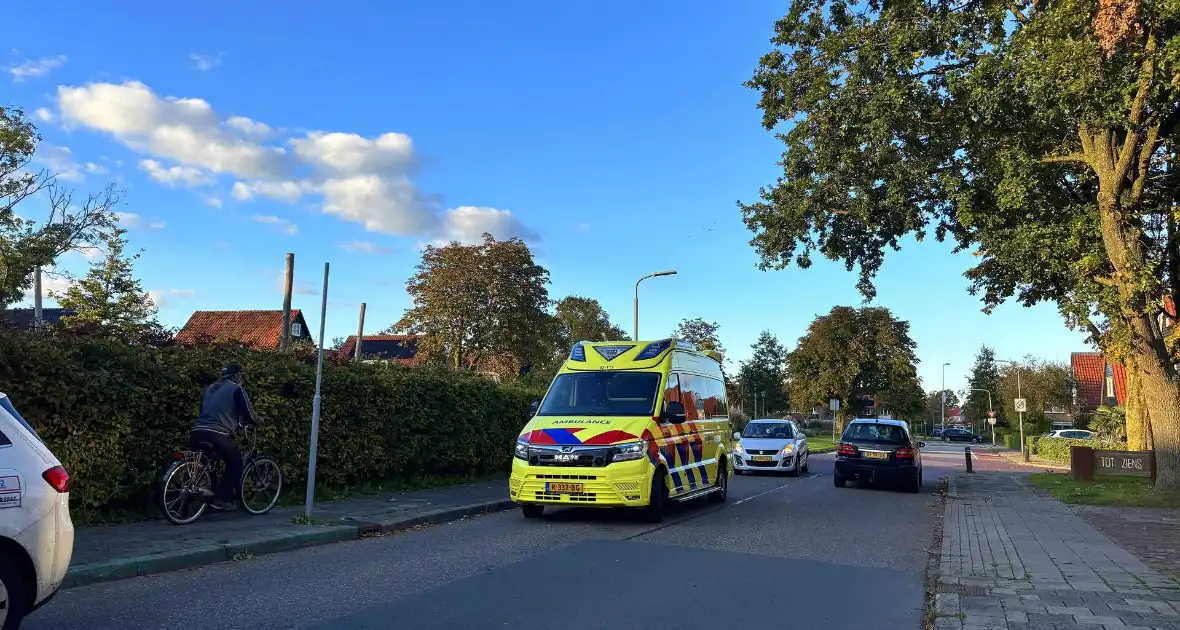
(225,407)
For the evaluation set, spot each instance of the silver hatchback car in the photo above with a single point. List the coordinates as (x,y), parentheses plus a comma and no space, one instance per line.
(771,445)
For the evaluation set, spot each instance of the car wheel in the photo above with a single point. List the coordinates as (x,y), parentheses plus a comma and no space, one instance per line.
(794,471)
(738,471)
(13,598)
(654,512)
(532,510)
(946,439)
(838,480)
(915,484)
(807,462)
(719,496)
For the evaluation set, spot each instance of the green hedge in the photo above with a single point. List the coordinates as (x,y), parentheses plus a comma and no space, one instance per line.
(1057,449)
(114,413)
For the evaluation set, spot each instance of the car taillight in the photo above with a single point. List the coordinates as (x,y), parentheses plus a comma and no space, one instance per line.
(905,453)
(177,456)
(58,478)
(846,449)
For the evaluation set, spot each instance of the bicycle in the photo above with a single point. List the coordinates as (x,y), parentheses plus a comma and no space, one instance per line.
(193,475)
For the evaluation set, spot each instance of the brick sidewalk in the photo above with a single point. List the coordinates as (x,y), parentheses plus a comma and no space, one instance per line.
(1015,559)
(114,552)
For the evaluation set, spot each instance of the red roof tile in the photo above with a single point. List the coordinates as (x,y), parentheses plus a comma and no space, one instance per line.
(1089,371)
(1120,382)
(261,329)
(346,351)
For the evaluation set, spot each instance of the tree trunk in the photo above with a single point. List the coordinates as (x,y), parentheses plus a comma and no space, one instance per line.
(1161,404)
(1137,413)
(842,418)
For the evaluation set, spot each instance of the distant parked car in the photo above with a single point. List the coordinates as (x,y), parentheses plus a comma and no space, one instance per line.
(771,446)
(1076,434)
(936,433)
(960,435)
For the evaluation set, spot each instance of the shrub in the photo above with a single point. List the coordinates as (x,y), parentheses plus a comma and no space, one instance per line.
(114,412)
(1057,449)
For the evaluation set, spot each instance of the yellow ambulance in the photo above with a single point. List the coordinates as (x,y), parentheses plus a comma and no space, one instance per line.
(626,424)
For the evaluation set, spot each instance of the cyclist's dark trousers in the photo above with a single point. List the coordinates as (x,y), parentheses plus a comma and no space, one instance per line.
(228,451)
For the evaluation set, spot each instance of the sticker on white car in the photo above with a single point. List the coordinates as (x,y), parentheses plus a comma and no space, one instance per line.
(9,492)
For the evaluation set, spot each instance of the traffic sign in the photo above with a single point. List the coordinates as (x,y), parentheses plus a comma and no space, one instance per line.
(991,414)
(991,421)
(834,404)
(1021,405)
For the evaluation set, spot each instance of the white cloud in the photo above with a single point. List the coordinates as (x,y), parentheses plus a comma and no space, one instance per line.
(248,127)
(162,297)
(205,63)
(44,114)
(467,224)
(361,179)
(214,202)
(130,220)
(34,67)
(52,281)
(365,247)
(59,160)
(283,225)
(184,130)
(172,176)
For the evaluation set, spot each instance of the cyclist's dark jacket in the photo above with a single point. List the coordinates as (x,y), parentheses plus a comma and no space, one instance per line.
(224,406)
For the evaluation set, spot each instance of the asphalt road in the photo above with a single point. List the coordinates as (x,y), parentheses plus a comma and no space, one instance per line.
(795,552)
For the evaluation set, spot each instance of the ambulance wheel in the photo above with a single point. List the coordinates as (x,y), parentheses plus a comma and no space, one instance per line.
(654,512)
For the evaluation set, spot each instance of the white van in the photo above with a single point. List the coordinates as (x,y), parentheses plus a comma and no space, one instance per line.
(36,533)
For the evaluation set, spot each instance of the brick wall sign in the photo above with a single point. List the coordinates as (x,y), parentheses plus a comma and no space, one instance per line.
(1085,462)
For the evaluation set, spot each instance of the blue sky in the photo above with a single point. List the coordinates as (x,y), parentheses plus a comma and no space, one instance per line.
(614,136)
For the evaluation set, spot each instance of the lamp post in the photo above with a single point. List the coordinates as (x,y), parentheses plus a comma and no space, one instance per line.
(650,275)
(942,407)
(1023,451)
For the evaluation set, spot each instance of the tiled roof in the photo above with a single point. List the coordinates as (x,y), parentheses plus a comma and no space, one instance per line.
(261,329)
(1089,372)
(400,348)
(1120,383)
(23,317)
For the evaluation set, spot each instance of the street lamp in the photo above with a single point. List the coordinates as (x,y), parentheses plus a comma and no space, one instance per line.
(1023,452)
(650,275)
(942,407)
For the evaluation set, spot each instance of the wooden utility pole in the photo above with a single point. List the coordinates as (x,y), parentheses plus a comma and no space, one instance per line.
(360,334)
(37,297)
(285,340)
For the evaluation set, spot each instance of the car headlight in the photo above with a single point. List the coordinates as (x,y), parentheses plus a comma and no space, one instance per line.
(737,448)
(788,449)
(522,449)
(630,451)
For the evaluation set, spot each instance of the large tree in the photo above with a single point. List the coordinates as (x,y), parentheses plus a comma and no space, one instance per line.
(110,297)
(852,353)
(701,333)
(71,223)
(584,319)
(985,375)
(1042,136)
(766,371)
(481,306)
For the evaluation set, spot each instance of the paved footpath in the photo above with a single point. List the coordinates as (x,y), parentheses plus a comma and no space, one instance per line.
(115,552)
(1017,559)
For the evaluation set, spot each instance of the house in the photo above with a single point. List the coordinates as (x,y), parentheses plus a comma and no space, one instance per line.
(257,329)
(22,318)
(1097,382)
(402,349)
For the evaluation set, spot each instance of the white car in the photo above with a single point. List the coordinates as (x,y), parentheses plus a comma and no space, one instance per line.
(771,446)
(1077,434)
(36,533)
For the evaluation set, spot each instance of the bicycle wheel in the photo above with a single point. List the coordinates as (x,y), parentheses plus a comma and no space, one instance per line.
(262,481)
(181,497)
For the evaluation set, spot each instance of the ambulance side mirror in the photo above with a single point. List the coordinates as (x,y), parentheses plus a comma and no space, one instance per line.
(533,407)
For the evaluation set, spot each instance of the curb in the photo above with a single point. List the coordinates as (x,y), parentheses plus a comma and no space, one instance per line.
(313,535)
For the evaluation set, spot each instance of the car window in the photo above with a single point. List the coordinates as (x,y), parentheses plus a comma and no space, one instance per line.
(865,432)
(769,430)
(7,405)
(4,441)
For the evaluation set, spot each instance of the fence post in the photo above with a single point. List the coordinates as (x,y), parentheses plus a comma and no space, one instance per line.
(1081,463)
(967,453)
